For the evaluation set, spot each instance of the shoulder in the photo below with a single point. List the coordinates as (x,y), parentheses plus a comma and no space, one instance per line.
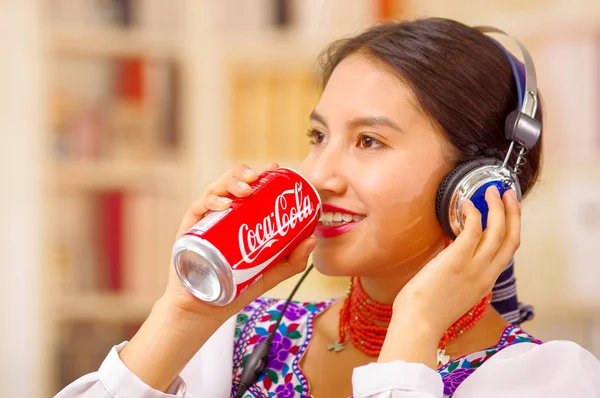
(552,369)
(555,354)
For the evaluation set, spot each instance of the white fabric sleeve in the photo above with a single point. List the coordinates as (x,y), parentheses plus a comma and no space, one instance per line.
(115,380)
(398,379)
(208,374)
(556,369)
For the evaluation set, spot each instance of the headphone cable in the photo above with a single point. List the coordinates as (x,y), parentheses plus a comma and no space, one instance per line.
(258,359)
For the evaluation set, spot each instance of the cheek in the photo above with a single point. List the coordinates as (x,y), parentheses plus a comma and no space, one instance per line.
(400,188)
(306,166)
(404,203)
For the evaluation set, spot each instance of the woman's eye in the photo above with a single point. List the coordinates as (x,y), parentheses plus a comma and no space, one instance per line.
(367,142)
(316,137)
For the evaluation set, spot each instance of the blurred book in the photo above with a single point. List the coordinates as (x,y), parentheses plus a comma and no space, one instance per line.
(114,241)
(121,108)
(271,112)
(83,345)
(146,15)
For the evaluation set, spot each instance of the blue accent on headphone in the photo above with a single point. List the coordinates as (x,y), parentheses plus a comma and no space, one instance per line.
(480,203)
(518,69)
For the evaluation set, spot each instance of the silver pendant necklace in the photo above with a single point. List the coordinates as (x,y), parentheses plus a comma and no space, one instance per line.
(442,358)
(336,346)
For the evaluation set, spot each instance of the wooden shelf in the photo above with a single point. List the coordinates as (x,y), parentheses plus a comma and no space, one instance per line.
(103,306)
(289,50)
(112,42)
(108,174)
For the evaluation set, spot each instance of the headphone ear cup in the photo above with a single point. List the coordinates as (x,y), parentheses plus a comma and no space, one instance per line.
(447,187)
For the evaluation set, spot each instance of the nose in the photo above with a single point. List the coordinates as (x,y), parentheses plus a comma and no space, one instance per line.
(325,171)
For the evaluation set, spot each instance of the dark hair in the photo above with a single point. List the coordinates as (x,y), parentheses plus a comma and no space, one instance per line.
(459,77)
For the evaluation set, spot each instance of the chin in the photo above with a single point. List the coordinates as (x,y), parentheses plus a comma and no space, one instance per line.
(332,264)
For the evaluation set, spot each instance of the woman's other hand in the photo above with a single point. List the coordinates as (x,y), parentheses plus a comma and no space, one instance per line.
(455,280)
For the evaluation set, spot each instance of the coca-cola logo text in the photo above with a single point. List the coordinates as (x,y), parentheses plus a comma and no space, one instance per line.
(291,208)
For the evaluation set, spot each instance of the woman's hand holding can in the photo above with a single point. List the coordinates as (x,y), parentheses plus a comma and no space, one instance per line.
(180,323)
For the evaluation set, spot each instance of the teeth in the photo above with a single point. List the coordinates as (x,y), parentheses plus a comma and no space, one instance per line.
(336,218)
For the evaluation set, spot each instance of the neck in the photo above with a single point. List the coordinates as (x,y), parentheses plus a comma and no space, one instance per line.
(385,286)
(484,334)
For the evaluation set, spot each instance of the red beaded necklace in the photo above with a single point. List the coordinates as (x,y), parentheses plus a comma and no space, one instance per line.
(366,321)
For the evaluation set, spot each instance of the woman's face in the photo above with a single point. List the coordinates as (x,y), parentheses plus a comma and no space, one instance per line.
(377,162)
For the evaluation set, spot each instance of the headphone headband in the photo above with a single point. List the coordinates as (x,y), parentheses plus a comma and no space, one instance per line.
(528,100)
(522,125)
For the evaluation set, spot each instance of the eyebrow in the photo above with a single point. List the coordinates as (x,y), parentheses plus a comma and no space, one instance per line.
(368,121)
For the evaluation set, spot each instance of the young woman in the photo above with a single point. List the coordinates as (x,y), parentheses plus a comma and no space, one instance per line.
(403,104)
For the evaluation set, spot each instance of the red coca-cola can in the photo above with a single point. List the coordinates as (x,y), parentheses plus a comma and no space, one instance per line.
(229,250)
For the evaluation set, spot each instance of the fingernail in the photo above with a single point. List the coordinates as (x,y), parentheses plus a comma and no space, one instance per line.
(494,190)
(222,199)
(512,193)
(249,173)
(242,185)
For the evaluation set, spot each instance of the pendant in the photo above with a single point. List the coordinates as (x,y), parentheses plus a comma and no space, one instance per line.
(442,358)
(337,346)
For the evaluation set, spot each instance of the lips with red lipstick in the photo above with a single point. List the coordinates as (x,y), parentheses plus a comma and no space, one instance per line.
(335,221)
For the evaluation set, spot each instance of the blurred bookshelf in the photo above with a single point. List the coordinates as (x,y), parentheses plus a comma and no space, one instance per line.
(116,173)
(147,101)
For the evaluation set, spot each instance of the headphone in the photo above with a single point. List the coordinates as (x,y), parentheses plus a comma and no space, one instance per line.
(467,180)
(471,179)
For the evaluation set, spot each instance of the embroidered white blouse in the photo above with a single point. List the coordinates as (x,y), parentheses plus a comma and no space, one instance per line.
(556,369)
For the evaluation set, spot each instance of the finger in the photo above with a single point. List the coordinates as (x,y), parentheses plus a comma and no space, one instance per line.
(244,173)
(213,200)
(493,236)
(216,203)
(237,187)
(299,256)
(237,183)
(217,188)
(512,241)
(194,214)
(247,174)
(297,263)
(272,166)
(199,208)
(467,241)
(235,169)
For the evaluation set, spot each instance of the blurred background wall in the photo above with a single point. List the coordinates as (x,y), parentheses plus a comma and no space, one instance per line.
(116,113)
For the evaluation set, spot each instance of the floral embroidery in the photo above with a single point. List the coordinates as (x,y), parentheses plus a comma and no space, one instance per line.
(285,391)
(282,377)
(453,380)
(293,312)
(458,370)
